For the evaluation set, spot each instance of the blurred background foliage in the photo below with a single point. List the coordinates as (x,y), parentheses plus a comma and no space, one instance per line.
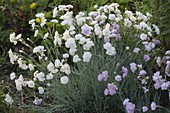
(15,14)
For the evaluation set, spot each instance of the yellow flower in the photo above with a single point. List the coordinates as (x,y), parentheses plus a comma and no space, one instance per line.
(38,20)
(33,5)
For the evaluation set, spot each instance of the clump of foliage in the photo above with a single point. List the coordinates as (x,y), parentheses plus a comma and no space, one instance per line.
(98,61)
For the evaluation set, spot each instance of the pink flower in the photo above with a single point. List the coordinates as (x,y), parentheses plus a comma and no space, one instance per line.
(136,50)
(146,58)
(142,72)
(144,108)
(130,107)
(106,92)
(118,78)
(153,106)
(125,101)
(133,67)
(125,71)
(167,52)
(103,76)
(155,41)
(111,89)
(86,30)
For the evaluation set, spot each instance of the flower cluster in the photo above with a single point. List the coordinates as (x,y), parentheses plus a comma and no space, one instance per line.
(125,41)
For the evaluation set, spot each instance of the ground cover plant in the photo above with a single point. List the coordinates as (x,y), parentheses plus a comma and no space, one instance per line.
(101,61)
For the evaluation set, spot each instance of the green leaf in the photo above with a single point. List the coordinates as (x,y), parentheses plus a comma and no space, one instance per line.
(26,2)
(42,5)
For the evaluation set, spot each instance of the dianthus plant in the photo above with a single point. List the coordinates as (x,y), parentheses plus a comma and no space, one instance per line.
(101,61)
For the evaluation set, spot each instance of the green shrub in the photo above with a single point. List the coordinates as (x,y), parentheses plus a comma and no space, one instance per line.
(62,73)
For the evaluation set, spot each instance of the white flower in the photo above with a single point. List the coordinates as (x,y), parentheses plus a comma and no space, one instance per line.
(32,22)
(96,6)
(12,75)
(64,7)
(46,35)
(143,36)
(127,22)
(31,67)
(38,49)
(55,12)
(35,75)
(14,39)
(19,83)
(93,23)
(43,22)
(18,36)
(51,68)
(111,16)
(67,18)
(140,16)
(87,56)
(49,76)
(78,36)
(57,63)
(40,15)
(80,20)
(129,13)
(22,65)
(8,99)
(36,33)
(66,69)
(72,32)
(12,56)
(156,29)
(127,48)
(54,21)
(57,40)
(40,76)
(106,31)
(64,80)
(148,14)
(72,51)
(76,58)
(65,55)
(82,40)
(30,84)
(40,90)
(66,35)
(71,29)
(150,34)
(103,16)
(88,45)
(109,49)
(42,18)
(70,43)
(98,30)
